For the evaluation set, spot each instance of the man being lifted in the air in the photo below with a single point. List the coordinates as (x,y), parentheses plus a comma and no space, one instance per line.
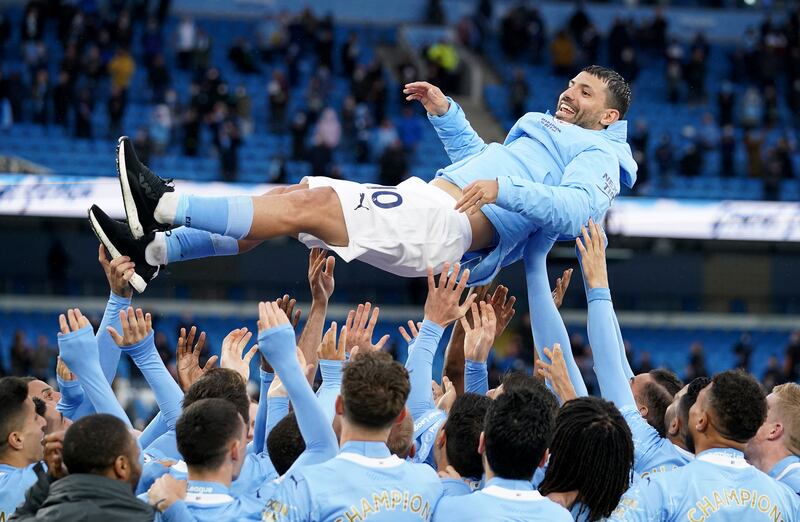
(550,176)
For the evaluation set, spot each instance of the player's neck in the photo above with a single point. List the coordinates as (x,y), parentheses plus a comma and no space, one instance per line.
(221,475)
(352,433)
(713,440)
(15,459)
(771,454)
(564,499)
(677,440)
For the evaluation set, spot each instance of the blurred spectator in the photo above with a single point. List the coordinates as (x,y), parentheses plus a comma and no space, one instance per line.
(589,45)
(619,38)
(772,375)
(160,129)
(324,45)
(435,13)
(443,61)
(562,52)
(116,111)
(791,361)
(728,151)
(32,24)
(40,97)
(228,142)
(35,56)
(299,132)
(695,72)
(143,145)
(578,22)
(191,132)
(201,54)
(772,113)
(385,135)
(656,31)
(393,164)
(518,94)
(272,38)
(691,163)
(409,129)
(5,33)
(752,110)
(244,111)
(21,354)
(697,362)
(83,114)
(186,42)
(629,65)
(57,266)
(278,93)
(645,364)
(159,78)
(350,54)
(42,358)
(726,104)
(123,30)
(363,128)
(152,42)
(92,66)
(121,68)
(743,350)
(708,135)
(62,99)
(242,57)
(753,141)
(328,131)
(664,156)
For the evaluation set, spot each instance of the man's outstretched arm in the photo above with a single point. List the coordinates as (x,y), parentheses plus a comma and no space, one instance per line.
(458,137)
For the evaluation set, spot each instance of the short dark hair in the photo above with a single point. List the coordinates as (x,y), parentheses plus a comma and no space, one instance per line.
(519,380)
(94,442)
(13,394)
(221,383)
(685,404)
(463,429)
(591,452)
(739,404)
(285,443)
(374,390)
(516,433)
(668,379)
(657,399)
(619,92)
(204,430)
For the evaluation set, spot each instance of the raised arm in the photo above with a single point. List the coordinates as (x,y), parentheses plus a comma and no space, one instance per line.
(546,323)
(118,272)
(71,392)
(320,279)
(614,384)
(478,340)
(331,363)
(458,137)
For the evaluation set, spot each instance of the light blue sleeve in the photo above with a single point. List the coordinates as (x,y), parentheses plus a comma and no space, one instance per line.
(563,209)
(646,501)
(476,377)
(109,351)
(278,346)
(154,430)
(277,409)
(546,323)
(614,386)
(79,351)
(458,137)
(331,386)
(168,394)
(291,501)
(420,368)
(71,397)
(260,426)
(177,512)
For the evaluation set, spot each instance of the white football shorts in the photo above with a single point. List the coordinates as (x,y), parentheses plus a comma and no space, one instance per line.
(401,230)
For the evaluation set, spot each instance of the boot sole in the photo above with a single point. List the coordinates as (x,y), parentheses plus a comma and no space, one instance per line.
(135,225)
(137,281)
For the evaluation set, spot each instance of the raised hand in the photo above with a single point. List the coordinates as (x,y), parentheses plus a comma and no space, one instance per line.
(54,454)
(331,350)
(562,283)
(593,256)
(477,194)
(286,304)
(320,274)
(165,491)
(556,373)
(442,305)
(188,358)
(503,307)
(118,272)
(360,327)
(436,391)
(270,315)
(73,321)
(412,333)
(64,373)
(445,402)
(136,326)
(430,96)
(478,339)
(233,354)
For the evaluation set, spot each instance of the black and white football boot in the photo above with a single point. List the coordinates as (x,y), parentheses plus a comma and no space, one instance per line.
(117,239)
(141,190)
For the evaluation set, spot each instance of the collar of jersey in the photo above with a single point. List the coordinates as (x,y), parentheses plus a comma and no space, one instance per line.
(784,467)
(365,448)
(511,489)
(727,457)
(207,493)
(369,454)
(688,455)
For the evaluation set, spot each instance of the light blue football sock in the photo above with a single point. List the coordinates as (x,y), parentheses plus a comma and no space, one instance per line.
(184,244)
(227,216)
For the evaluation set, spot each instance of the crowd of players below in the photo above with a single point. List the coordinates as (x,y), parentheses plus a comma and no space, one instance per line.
(385,442)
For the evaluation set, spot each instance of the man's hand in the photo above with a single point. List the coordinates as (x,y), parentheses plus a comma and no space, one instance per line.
(562,283)
(360,327)
(165,491)
(478,194)
(54,454)
(449,473)
(118,272)
(430,96)
(73,321)
(320,274)
(329,349)
(188,358)
(287,304)
(63,371)
(593,256)
(233,355)
(478,339)
(136,326)
(503,307)
(276,388)
(412,333)
(556,373)
(270,315)
(445,402)
(442,305)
